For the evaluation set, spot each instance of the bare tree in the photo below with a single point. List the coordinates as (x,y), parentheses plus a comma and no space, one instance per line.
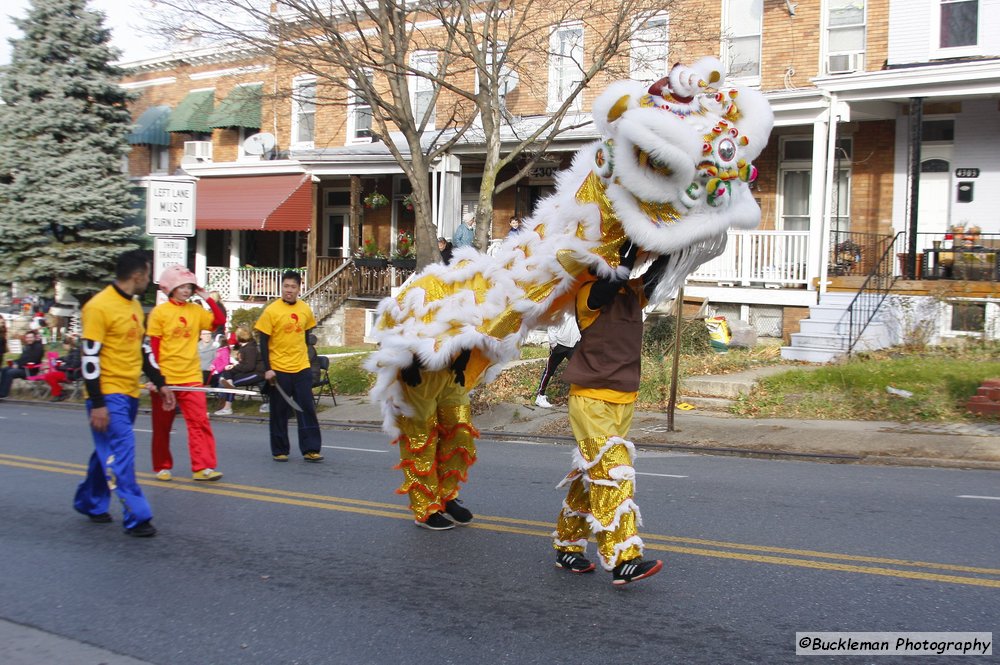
(484,55)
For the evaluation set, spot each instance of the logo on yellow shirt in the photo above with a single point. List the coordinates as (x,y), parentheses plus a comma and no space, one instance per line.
(294,326)
(182,330)
(133,332)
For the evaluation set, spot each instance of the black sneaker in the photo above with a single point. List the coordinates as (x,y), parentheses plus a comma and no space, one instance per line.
(436,522)
(635,569)
(142,530)
(574,562)
(103,518)
(457,513)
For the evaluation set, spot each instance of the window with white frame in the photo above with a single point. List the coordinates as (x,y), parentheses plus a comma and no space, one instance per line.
(845,38)
(304,112)
(959,23)
(565,64)
(795,185)
(359,114)
(422,86)
(741,28)
(159,158)
(648,62)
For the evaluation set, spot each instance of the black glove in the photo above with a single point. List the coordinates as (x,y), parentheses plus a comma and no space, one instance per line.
(627,254)
(459,366)
(411,374)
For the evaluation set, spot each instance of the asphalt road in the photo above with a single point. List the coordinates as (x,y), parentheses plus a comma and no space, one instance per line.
(321,563)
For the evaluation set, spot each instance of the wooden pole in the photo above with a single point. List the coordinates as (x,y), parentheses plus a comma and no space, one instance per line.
(678,322)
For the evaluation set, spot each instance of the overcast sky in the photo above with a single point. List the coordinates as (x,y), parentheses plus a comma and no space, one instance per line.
(124,17)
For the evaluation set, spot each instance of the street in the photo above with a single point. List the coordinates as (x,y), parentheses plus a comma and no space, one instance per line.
(321,563)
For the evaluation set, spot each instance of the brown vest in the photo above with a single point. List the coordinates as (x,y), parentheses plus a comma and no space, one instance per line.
(609,354)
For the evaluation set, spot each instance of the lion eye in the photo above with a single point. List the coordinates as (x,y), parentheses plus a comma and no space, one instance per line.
(726,150)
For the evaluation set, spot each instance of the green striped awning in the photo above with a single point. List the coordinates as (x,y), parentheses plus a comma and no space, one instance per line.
(241,108)
(150,129)
(191,115)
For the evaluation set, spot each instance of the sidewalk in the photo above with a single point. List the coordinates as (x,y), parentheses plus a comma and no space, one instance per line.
(958,445)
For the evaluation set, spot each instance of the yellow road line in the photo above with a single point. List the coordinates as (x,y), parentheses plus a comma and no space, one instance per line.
(518,526)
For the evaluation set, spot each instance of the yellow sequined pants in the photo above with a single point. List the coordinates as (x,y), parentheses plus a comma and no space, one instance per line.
(601,484)
(437,445)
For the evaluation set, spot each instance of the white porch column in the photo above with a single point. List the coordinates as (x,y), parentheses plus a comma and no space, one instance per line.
(200,258)
(447,195)
(234,264)
(818,204)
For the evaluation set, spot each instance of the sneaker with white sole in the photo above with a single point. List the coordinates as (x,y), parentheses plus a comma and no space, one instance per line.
(207,474)
(574,562)
(164,474)
(457,513)
(435,522)
(224,411)
(635,569)
(543,402)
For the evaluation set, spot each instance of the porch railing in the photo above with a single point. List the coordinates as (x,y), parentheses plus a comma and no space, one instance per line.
(778,258)
(331,291)
(254,284)
(873,291)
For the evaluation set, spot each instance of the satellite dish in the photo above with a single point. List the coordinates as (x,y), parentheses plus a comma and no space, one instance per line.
(258,144)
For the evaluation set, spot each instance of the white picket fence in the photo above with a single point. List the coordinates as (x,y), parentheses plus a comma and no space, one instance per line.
(767,258)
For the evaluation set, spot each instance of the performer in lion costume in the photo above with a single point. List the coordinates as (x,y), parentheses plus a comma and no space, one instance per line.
(668,178)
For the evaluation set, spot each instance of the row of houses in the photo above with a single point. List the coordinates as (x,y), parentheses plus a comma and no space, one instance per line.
(883,164)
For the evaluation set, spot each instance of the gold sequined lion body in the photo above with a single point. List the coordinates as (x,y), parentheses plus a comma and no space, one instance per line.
(671,174)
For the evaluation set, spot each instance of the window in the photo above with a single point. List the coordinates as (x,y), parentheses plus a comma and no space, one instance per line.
(795,184)
(159,159)
(359,114)
(650,50)
(968,317)
(422,87)
(937,130)
(845,22)
(304,112)
(959,23)
(565,65)
(741,29)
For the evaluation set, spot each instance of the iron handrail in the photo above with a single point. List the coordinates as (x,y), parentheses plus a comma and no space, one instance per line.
(873,292)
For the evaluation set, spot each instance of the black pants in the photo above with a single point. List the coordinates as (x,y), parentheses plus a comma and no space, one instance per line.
(298,386)
(7,376)
(558,354)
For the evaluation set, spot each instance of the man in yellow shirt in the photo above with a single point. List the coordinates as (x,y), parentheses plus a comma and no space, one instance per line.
(112,360)
(283,328)
(174,329)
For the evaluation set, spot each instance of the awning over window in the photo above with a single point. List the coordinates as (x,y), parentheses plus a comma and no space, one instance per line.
(150,128)
(241,108)
(255,203)
(191,115)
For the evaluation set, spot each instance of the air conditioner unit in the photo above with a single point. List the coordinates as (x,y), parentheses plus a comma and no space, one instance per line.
(200,150)
(845,63)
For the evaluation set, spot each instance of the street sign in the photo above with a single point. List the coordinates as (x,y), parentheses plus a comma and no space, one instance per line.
(170,208)
(168,252)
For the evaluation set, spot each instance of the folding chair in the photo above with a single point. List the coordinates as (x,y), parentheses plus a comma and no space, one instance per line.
(35,371)
(323,381)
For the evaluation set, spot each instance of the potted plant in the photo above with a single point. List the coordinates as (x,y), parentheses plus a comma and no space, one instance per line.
(370,256)
(408,202)
(405,255)
(375,200)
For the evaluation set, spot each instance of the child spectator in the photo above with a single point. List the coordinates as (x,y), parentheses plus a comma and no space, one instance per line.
(67,369)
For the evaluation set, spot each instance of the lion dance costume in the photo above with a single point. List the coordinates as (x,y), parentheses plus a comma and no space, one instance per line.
(670,176)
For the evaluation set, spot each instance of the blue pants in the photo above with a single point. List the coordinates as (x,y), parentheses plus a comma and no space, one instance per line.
(112,466)
(298,386)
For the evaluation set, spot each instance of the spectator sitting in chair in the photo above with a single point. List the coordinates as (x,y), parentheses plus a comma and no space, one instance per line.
(247,371)
(32,354)
(67,369)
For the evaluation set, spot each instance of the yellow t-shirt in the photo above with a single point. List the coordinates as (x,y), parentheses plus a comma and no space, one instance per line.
(116,322)
(178,327)
(287,325)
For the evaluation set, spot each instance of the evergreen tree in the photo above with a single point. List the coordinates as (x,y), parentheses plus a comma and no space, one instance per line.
(64,202)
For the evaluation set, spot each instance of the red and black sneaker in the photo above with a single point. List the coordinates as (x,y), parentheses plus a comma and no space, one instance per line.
(574,562)
(635,569)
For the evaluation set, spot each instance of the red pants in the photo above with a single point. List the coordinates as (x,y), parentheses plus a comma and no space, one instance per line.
(54,378)
(201,441)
